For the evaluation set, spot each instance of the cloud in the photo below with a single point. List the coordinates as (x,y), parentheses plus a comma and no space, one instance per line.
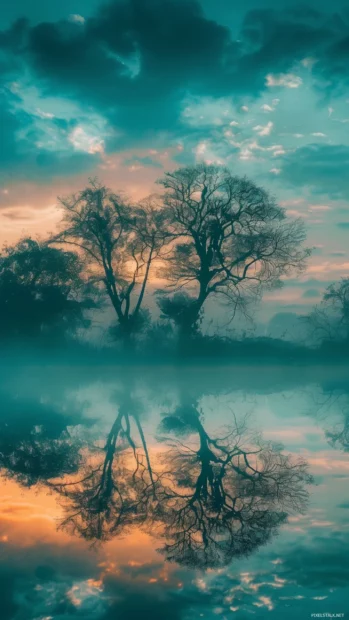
(322,168)
(289,80)
(135,64)
(28,151)
(78,19)
(264,130)
(142,161)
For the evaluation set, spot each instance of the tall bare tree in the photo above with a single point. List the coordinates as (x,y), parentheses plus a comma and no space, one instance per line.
(232,240)
(120,241)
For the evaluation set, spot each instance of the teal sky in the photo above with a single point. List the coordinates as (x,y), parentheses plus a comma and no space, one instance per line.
(126,90)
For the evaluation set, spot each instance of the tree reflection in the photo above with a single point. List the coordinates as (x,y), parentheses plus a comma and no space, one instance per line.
(36,444)
(117,485)
(209,496)
(332,404)
(225,495)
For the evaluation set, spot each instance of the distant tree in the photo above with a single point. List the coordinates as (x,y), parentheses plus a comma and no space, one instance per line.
(330,319)
(41,290)
(231,240)
(120,241)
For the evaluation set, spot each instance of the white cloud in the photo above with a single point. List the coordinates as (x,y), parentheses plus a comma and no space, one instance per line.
(244,108)
(77,19)
(265,601)
(270,108)
(289,80)
(267,108)
(83,141)
(275,170)
(278,152)
(319,598)
(264,130)
(319,134)
(43,114)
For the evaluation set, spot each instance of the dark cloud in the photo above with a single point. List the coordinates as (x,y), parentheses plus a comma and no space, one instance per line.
(135,61)
(322,168)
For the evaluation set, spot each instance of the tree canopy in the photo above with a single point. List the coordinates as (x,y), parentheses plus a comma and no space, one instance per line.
(41,290)
(232,240)
(120,242)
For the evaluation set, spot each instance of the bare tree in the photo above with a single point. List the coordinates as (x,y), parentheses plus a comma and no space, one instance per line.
(232,241)
(120,242)
(330,319)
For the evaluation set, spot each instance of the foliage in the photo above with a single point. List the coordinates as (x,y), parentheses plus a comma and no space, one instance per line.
(41,291)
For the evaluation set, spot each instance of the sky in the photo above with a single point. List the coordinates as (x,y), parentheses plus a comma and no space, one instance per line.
(128,90)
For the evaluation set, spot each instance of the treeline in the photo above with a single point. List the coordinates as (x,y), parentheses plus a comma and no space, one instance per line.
(207,234)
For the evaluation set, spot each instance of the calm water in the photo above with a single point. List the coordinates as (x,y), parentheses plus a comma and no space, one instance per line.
(160,493)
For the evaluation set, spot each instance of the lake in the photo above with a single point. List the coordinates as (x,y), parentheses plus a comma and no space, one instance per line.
(173,493)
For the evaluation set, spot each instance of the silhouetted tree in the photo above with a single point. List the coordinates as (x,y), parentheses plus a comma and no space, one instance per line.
(120,241)
(224,496)
(330,319)
(41,291)
(232,241)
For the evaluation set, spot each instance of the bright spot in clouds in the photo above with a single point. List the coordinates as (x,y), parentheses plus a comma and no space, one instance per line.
(77,19)
(83,141)
(43,114)
(289,80)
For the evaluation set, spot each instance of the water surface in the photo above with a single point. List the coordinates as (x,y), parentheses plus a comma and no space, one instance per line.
(173,493)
